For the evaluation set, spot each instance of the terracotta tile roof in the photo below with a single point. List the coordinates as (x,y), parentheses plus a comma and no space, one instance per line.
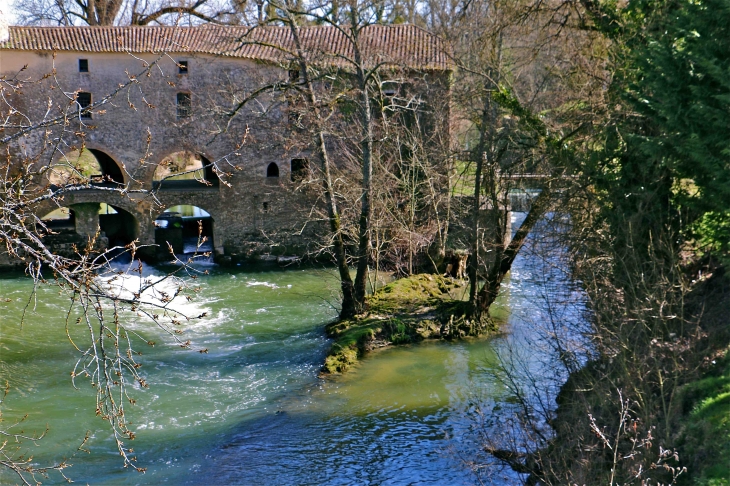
(403,45)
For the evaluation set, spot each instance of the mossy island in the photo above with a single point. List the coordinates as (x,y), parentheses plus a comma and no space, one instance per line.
(408,310)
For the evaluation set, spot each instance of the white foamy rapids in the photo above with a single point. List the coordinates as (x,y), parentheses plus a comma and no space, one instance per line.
(159,295)
(255,283)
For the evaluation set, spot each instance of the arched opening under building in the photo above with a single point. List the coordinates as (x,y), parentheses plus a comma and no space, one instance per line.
(272,170)
(186,229)
(118,225)
(185,170)
(60,220)
(75,224)
(86,166)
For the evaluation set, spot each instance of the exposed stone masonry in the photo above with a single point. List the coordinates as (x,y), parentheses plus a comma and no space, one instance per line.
(142,125)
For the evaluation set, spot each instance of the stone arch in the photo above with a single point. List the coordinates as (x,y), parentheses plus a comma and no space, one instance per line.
(272,170)
(109,166)
(87,165)
(81,220)
(195,172)
(186,228)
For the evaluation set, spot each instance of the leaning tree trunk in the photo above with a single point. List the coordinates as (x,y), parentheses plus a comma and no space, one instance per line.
(490,288)
(349,307)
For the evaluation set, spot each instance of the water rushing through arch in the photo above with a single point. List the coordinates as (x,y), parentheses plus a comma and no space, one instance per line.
(253,410)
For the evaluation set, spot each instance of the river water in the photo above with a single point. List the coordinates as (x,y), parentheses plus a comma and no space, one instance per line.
(253,409)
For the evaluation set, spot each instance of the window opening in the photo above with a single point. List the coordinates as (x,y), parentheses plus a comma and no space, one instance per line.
(75,167)
(294,75)
(299,169)
(272,170)
(182,67)
(188,211)
(85,166)
(104,208)
(266,207)
(84,101)
(390,88)
(83,65)
(59,215)
(61,219)
(184,105)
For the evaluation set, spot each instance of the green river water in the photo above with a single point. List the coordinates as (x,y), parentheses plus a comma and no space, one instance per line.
(253,409)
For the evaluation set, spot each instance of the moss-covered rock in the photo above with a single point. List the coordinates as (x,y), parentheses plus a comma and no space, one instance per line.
(340,360)
(407,310)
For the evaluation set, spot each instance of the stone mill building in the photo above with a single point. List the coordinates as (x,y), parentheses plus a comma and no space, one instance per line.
(142,104)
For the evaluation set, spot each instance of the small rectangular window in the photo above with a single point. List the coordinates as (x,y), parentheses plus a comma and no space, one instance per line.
(294,75)
(299,169)
(184,105)
(84,101)
(182,67)
(83,65)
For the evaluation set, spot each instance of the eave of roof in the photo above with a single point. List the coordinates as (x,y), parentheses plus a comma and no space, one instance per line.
(393,45)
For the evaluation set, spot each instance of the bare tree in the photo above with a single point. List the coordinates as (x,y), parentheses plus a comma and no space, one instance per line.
(614,414)
(516,97)
(349,305)
(413,172)
(338,88)
(102,297)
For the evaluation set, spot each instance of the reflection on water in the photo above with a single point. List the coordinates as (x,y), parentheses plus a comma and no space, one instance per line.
(252,410)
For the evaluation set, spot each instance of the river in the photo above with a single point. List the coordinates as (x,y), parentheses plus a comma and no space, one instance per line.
(252,410)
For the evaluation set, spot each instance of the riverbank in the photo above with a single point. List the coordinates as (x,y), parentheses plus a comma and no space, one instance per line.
(407,310)
(701,414)
(684,420)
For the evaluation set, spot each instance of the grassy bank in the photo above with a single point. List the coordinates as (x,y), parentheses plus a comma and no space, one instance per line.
(405,311)
(701,418)
(704,426)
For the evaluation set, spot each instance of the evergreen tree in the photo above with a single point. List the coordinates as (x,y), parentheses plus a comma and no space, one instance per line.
(681,87)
